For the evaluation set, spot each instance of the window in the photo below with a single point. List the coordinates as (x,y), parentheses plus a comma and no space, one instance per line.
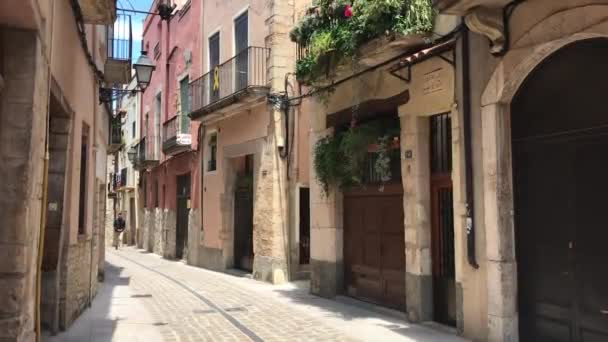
(82,205)
(214,61)
(241,40)
(133,130)
(155,193)
(157,112)
(184,93)
(212,161)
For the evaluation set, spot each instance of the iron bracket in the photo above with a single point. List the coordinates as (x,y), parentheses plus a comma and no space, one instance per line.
(407,78)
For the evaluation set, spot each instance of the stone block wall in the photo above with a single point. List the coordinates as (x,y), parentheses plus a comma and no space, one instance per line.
(77,282)
(148,230)
(169,226)
(270,243)
(23,108)
(194,236)
(157,226)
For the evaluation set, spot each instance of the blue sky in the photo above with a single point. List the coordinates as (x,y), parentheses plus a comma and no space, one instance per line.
(136,21)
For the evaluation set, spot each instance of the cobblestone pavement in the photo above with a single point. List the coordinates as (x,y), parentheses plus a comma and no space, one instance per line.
(170,301)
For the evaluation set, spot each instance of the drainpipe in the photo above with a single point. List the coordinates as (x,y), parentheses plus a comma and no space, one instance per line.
(43,206)
(468,155)
(202,135)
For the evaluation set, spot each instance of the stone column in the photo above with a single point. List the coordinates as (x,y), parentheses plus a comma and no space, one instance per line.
(326,233)
(270,215)
(500,239)
(460,211)
(415,166)
(270,218)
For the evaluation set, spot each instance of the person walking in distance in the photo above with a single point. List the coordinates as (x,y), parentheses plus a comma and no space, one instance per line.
(119,228)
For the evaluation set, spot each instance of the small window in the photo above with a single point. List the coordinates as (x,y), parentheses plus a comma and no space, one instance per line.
(133,130)
(212,161)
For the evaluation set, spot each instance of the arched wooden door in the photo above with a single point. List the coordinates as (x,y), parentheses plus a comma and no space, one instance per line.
(559,123)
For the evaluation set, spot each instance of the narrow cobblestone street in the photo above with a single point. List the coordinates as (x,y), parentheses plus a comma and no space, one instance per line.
(146,298)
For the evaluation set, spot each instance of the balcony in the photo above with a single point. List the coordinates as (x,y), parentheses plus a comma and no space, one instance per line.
(146,157)
(239,82)
(122,181)
(112,185)
(176,132)
(117,69)
(99,12)
(115,141)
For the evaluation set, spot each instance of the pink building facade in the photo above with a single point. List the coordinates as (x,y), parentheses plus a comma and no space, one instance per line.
(169,173)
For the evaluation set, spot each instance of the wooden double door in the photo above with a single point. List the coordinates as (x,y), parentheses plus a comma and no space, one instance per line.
(560,180)
(374,245)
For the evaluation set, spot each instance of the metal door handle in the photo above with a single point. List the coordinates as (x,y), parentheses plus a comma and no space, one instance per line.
(604,312)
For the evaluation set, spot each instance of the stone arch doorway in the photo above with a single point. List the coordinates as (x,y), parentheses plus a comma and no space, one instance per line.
(559,133)
(506,84)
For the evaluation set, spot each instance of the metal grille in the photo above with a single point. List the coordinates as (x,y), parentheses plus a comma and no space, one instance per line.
(371,177)
(120,36)
(245,70)
(441,144)
(446,263)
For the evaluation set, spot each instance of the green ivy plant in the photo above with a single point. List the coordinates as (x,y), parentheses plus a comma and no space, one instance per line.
(340,160)
(328,28)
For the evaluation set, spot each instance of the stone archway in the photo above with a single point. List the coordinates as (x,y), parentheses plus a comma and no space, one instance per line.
(498,181)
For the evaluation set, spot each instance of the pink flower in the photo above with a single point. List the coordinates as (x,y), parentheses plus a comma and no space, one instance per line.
(348,12)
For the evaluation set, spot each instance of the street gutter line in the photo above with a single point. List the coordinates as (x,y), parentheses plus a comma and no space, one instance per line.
(253,336)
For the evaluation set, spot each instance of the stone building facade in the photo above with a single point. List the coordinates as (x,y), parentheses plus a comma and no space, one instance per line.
(524,113)
(54,135)
(519,82)
(251,149)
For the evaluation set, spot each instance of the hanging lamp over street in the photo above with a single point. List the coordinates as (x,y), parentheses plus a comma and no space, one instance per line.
(143,70)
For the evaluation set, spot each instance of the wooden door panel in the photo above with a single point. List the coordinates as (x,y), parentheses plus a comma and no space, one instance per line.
(549,330)
(374,247)
(591,237)
(542,221)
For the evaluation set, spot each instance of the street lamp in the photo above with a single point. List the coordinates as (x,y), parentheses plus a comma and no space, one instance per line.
(143,73)
(143,70)
(131,154)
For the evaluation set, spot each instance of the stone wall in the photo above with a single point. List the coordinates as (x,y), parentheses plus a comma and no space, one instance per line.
(169,226)
(23,108)
(194,236)
(157,226)
(148,230)
(77,282)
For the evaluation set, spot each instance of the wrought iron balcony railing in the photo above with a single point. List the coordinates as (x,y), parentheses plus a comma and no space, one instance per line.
(122,179)
(146,156)
(115,138)
(243,74)
(176,133)
(120,37)
(112,185)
